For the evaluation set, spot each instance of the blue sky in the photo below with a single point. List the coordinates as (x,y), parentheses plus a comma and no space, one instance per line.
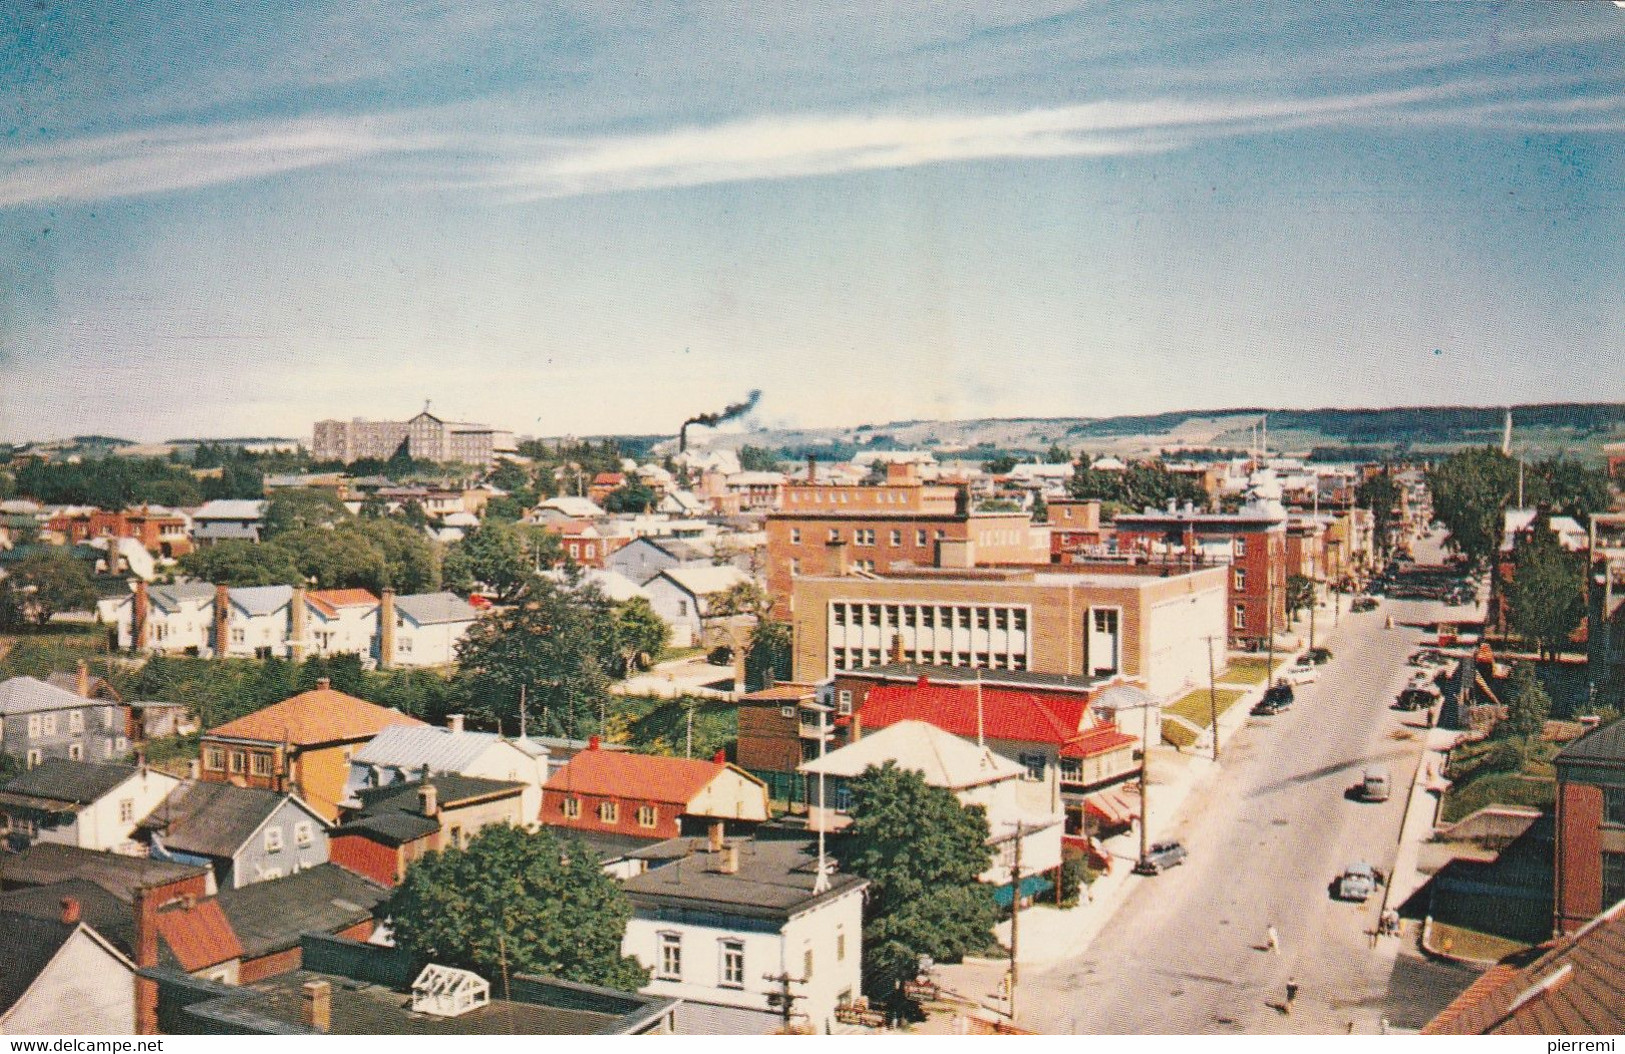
(236,219)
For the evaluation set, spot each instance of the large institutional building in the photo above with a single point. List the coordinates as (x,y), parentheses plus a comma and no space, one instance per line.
(427,438)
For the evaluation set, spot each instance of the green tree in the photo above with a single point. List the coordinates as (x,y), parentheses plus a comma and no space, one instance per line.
(297,509)
(639,632)
(1380,494)
(1546,599)
(411,563)
(334,559)
(1040,509)
(1528,705)
(1057,455)
(44,584)
(631,497)
(492,555)
(1300,594)
(1568,487)
(515,902)
(504,509)
(757,459)
(241,563)
(1471,489)
(557,644)
(921,852)
(1000,465)
(770,652)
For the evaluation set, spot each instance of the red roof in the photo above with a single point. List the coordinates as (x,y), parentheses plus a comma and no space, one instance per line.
(645,777)
(608,479)
(328,601)
(1101,739)
(199,936)
(321,715)
(1005,714)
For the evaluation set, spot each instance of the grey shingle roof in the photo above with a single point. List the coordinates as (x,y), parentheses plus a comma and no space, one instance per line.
(46,862)
(211,819)
(25,695)
(774,880)
(169,598)
(261,600)
(428,609)
(31,944)
(269,916)
(230,509)
(106,914)
(392,813)
(1606,744)
(76,782)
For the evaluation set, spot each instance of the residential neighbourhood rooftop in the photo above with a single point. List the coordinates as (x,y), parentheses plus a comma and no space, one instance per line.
(321,715)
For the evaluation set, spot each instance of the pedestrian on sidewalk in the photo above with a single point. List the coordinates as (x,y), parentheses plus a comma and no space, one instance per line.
(1272,940)
(1291,993)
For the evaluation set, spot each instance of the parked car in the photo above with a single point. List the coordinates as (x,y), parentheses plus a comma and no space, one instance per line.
(1364,604)
(1374,783)
(1302,672)
(1318,656)
(1418,697)
(1358,882)
(1160,857)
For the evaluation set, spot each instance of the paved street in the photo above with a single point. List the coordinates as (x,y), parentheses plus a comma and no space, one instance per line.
(1184,953)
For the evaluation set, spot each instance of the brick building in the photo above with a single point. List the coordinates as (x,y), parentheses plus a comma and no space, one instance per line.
(642,796)
(1250,544)
(403,822)
(426,437)
(160,531)
(1590,859)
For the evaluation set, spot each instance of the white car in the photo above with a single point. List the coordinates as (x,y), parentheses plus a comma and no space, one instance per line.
(1301,673)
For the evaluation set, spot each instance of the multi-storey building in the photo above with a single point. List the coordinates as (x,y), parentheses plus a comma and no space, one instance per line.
(1605,641)
(39,721)
(1590,857)
(159,530)
(426,437)
(823,529)
(1251,544)
(1133,621)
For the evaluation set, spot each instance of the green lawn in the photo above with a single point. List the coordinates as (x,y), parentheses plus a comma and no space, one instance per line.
(1250,670)
(1196,708)
(1499,772)
(1471,944)
(1501,788)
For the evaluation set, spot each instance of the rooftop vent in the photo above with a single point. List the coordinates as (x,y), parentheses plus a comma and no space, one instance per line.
(445,991)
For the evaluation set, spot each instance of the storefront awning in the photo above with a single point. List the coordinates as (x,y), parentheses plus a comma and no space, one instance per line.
(1031,886)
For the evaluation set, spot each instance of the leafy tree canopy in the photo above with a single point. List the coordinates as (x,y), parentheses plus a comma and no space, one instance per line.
(639,631)
(296,509)
(1528,704)
(241,563)
(517,902)
(1138,486)
(630,497)
(1546,599)
(43,584)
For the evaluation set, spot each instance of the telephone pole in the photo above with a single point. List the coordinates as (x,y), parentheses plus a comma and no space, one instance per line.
(784,996)
(1015,918)
(1212,701)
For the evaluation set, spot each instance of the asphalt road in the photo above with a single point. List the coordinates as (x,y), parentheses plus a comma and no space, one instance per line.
(1185,953)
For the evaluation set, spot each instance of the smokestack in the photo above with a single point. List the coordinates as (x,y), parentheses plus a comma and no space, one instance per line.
(138,619)
(296,629)
(429,800)
(812,468)
(386,630)
(82,679)
(455,723)
(716,834)
(70,911)
(222,621)
(317,1000)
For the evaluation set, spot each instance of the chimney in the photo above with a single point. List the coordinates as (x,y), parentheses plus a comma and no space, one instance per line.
(146,954)
(296,624)
(429,800)
(715,833)
(323,683)
(593,742)
(455,723)
(840,559)
(386,630)
(188,901)
(138,620)
(729,862)
(857,726)
(222,621)
(812,468)
(70,911)
(82,679)
(1589,721)
(317,1000)
(719,758)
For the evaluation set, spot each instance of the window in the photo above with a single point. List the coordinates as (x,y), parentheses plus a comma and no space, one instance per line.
(807,965)
(121,744)
(269,873)
(920,537)
(795,536)
(843,798)
(75,752)
(840,945)
(1241,580)
(843,702)
(1613,878)
(1238,617)
(126,810)
(609,812)
(239,636)
(864,536)
(733,964)
(671,956)
(107,718)
(404,645)
(834,534)
(682,609)
(897,538)
(795,565)
(214,759)
(1241,547)
(787,711)
(571,808)
(76,721)
(303,834)
(455,838)
(259,764)
(1613,805)
(50,724)
(33,758)
(1035,765)
(273,839)
(646,816)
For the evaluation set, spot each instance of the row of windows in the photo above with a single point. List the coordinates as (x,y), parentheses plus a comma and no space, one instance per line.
(858,658)
(218,759)
(48,724)
(866,536)
(609,812)
(875,496)
(304,833)
(730,959)
(76,751)
(894,616)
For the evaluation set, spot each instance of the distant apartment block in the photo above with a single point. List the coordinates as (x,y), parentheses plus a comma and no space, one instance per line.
(427,437)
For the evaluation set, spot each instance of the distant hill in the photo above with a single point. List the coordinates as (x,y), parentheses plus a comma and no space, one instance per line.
(1575,429)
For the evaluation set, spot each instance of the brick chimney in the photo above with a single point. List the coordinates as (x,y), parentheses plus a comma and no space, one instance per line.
(856,727)
(222,621)
(593,742)
(840,558)
(146,954)
(386,630)
(142,611)
(70,911)
(297,617)
(455,723)
(897,648)
(316,998)
(715,834)
(429,800)
(82,679)
(812,469)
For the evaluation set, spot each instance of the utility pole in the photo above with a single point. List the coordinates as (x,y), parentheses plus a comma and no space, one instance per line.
(786,999)
(1212,701)
(1145,782)
(1015,919)
(1269,610)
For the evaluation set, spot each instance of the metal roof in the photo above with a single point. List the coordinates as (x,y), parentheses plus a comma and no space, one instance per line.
(413,746)
(25,695)
(434,608)
(69,782)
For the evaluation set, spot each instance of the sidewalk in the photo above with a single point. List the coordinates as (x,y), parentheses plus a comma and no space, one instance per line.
(1421,810)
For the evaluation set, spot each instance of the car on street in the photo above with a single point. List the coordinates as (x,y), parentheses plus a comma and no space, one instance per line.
(1160,857)
(1364,604)
(1358,882)
(1375,783)
(1279,697)
(1318,656)
(1301,672)
(1418,697)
